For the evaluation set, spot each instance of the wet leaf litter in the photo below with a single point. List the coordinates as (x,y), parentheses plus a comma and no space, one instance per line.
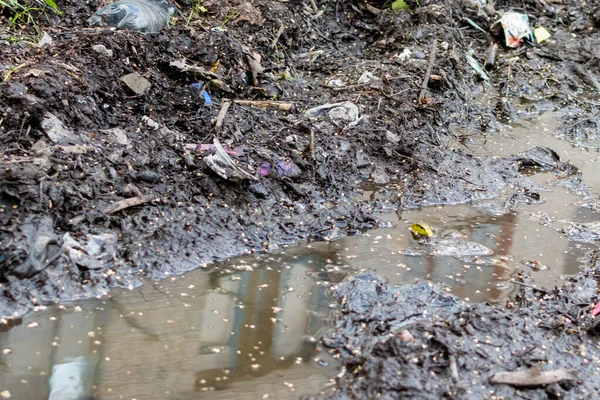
(87,210)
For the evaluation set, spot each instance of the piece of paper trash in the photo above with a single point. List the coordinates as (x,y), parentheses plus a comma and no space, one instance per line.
(541,34)
(515,27)
(596,310)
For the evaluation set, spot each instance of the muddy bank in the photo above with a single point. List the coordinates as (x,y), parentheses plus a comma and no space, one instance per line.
(435,346)
(106,170)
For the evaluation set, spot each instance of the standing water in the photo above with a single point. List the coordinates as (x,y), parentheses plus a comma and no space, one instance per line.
(250,329)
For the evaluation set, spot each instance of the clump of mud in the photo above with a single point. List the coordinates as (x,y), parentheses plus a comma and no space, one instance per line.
(420,342)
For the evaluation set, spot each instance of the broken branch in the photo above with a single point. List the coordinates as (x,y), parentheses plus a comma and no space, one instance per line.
(126,203)
(280,105)
(533,377)
(429,68)
(222,114)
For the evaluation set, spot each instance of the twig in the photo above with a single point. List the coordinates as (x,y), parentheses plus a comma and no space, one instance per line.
(277,36)
(126,203)
(533,377)
(453,368)
(429,68)
(312,144)
(222,113)
(314,5)
(7,74)
(280,105)
(530,286)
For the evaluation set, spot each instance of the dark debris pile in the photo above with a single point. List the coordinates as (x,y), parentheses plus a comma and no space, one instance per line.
(419,342)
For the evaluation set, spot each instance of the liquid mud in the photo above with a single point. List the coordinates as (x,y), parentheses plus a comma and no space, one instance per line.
(252,327)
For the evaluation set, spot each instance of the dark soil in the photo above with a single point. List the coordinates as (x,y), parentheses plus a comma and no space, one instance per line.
(392,352)
(67,230)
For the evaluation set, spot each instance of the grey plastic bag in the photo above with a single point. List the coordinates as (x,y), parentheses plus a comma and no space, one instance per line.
(146,16)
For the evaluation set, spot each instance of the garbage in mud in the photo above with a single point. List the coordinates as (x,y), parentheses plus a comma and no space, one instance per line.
(199,87)
(541,34)
(476,66)
(45,40)
(221,164)
(515,27)
(95,254)
(147,16)
(284,167)
(344,114)
(595,310)
(420,230)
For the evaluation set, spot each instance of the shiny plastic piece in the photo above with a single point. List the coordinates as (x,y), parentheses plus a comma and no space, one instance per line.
(148,16)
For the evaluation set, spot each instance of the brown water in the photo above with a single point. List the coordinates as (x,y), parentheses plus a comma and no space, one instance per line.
(251,329)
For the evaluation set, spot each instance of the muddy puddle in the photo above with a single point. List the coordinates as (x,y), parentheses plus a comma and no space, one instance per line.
(251,328)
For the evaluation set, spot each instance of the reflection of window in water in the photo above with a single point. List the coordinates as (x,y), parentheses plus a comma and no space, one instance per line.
(270,312)
(68,380)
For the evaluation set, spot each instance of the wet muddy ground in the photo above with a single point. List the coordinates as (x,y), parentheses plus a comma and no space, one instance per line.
(260,325)
(110,176)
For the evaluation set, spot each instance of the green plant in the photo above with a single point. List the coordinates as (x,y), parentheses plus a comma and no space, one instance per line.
(196,9)
(400,5)
(228,17)
(21,12)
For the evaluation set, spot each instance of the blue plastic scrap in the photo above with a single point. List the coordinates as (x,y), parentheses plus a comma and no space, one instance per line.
(205,96)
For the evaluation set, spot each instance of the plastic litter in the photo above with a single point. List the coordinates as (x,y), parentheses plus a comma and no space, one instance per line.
(205,96)
(221,164)
(541,34)
(515,27)
(284,167)
(45,40)
(148,16)
(476,66)
(343,114)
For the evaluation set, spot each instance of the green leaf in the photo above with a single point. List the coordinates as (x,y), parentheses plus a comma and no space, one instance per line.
(400,5)
(53,6)
(202,9)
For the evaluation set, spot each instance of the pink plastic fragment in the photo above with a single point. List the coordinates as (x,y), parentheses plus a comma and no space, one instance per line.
(596,310)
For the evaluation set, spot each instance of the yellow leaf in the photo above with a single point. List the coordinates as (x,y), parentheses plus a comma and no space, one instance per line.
(421,230)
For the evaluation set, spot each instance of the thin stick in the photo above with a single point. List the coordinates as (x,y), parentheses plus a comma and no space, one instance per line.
(277,36)
(312,144)
(222,113)
(429,68)
(453,368)
(539,289)
(126,203)
(280,105)
(314,5)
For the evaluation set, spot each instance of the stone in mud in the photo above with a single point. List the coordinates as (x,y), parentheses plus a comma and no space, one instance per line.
(137,83)
(57,131)
(101,49)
